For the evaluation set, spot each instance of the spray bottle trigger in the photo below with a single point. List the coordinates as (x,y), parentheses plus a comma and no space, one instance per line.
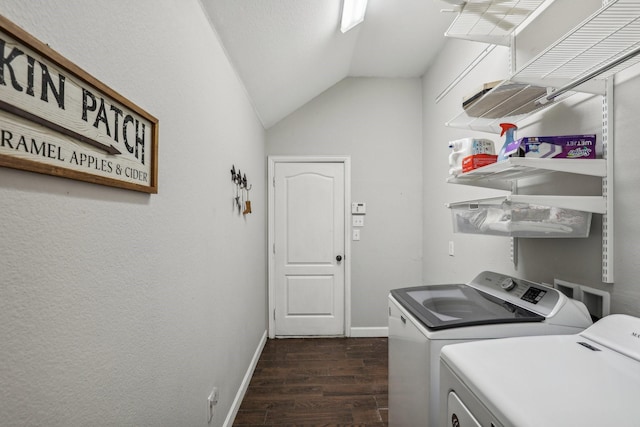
(506,126)
(509,129)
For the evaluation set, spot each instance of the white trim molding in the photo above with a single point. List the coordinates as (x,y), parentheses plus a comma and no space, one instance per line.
(237,401)
(369,332)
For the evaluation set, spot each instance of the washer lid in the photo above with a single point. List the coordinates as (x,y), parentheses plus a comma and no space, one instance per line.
(555,380)
(456,305)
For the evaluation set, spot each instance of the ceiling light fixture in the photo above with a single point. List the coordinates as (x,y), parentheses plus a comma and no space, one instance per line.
(352,13)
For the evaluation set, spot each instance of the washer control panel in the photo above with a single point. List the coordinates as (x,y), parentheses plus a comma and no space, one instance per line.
(530,295)
(533,295)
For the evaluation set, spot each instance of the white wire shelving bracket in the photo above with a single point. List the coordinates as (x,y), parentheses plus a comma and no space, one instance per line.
(607,183)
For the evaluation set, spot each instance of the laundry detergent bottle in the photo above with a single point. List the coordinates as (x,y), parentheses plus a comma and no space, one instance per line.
(509,130)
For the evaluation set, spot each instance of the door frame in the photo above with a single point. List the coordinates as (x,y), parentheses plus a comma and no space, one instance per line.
(273,160)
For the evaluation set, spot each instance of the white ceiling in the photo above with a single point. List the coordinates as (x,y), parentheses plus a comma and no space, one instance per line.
(289,51)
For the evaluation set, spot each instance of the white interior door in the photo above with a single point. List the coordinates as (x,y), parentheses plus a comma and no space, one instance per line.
(309,248)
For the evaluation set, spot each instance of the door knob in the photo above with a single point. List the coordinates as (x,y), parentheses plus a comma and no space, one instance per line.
(339,258)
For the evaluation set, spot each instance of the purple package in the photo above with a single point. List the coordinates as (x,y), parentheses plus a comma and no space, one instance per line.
(559,147)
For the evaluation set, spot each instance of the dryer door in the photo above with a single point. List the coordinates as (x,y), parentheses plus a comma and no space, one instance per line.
(459,415)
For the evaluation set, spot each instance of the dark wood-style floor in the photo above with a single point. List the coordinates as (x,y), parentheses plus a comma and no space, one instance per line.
(318,382)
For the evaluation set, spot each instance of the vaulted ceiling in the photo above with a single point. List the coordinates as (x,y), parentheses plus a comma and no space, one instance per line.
(289,51)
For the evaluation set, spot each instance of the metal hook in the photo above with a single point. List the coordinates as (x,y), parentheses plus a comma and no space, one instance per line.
(233,173)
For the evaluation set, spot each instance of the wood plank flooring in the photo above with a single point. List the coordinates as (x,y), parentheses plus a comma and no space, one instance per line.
(318,382)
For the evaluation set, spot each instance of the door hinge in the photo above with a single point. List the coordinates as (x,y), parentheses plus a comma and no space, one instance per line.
(274,314)
(274,181)
(274,248)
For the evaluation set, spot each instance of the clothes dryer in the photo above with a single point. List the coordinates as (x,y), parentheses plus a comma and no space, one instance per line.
(591,379)
(424,319)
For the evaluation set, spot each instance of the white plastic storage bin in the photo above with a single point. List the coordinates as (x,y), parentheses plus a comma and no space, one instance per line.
(502,217)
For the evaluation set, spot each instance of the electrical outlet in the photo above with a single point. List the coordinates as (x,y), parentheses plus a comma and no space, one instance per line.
(358,220)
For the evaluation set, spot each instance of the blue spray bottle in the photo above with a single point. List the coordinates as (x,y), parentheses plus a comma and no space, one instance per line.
(509,129)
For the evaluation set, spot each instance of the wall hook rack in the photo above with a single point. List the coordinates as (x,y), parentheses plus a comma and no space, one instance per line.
(242,190)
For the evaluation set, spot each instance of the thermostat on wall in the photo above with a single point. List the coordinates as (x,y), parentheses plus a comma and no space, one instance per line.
(358,208)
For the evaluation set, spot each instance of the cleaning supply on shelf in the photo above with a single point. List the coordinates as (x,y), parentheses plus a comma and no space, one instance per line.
(510,145)
(476,161)
(468,147)
(559,147)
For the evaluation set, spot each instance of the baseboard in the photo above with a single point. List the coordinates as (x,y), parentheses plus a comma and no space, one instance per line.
(369,332)
(235,406)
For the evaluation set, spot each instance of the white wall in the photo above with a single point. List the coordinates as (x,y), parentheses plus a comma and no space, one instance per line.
(378,123)
(117,307)
(574,260)
(626,290)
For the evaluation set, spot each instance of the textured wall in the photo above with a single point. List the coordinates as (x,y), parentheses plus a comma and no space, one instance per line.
(377,122)
(117,307)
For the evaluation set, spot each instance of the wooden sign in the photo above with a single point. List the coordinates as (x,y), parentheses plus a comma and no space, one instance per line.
(56,119)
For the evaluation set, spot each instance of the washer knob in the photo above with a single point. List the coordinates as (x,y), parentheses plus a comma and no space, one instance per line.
(508,284)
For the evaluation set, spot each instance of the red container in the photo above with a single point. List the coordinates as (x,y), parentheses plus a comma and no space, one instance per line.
(476,161)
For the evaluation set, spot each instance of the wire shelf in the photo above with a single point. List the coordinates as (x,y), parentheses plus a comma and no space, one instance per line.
(508,101)
(607,35)
(516,168)
(491,21)
(598,46)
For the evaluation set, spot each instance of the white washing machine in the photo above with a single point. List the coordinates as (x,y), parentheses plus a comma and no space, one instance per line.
(424,319)
(591,379)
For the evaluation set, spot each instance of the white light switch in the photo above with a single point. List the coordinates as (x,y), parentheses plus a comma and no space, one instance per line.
(358,220)
(356,234)
(451,248)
